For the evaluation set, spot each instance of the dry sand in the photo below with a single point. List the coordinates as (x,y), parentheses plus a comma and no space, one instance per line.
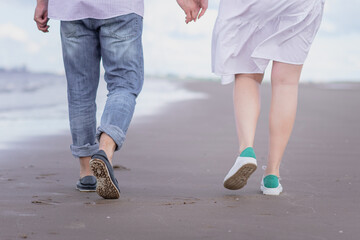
(174,164)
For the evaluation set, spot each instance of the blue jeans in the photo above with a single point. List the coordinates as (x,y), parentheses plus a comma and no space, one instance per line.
(117,41)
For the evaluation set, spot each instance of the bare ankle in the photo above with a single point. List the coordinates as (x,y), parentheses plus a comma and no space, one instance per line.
(243,147)
(109,153)
(85,169)
(272,171)
(108,145)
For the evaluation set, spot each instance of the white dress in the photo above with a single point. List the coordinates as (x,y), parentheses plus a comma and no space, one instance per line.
(250,33)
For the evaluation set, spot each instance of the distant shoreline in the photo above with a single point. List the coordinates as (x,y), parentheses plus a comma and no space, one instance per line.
(168,77)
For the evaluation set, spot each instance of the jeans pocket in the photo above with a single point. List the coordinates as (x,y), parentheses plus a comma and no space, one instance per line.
(123,27)
(69,28)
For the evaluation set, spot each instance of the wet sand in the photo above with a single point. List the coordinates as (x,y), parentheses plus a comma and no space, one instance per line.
(171,170)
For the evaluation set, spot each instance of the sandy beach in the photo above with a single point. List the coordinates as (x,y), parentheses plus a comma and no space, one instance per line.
(171,169)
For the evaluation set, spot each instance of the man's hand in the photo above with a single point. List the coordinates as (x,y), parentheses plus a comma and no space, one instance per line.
(192,8)
(41,15)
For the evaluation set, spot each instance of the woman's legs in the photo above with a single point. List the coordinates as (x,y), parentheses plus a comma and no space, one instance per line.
(247,107)
(284,81)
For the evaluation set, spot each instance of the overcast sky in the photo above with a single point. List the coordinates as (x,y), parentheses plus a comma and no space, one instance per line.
(173,47)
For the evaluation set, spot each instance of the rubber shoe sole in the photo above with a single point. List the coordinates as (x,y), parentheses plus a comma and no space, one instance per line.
(105,186)
(272,191)
(240,173)
(85,190)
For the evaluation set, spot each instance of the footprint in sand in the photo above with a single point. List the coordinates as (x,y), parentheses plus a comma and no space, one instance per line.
(48,201)
(181,201)
(43,176)
(120,168)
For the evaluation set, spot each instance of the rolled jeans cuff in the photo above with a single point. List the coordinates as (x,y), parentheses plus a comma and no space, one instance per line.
(114,132)
(86,150)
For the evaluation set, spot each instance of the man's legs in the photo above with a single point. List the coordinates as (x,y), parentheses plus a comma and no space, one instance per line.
(81,53)
(121,49)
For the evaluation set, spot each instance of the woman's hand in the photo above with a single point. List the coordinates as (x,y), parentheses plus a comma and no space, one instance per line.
(192,9)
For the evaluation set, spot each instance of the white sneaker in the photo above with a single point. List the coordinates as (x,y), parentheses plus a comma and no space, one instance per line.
(272,185)
(240,173)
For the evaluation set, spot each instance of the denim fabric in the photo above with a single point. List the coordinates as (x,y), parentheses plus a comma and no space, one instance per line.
(117,41)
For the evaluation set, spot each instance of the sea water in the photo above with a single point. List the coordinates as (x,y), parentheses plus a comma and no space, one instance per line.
(35,104)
